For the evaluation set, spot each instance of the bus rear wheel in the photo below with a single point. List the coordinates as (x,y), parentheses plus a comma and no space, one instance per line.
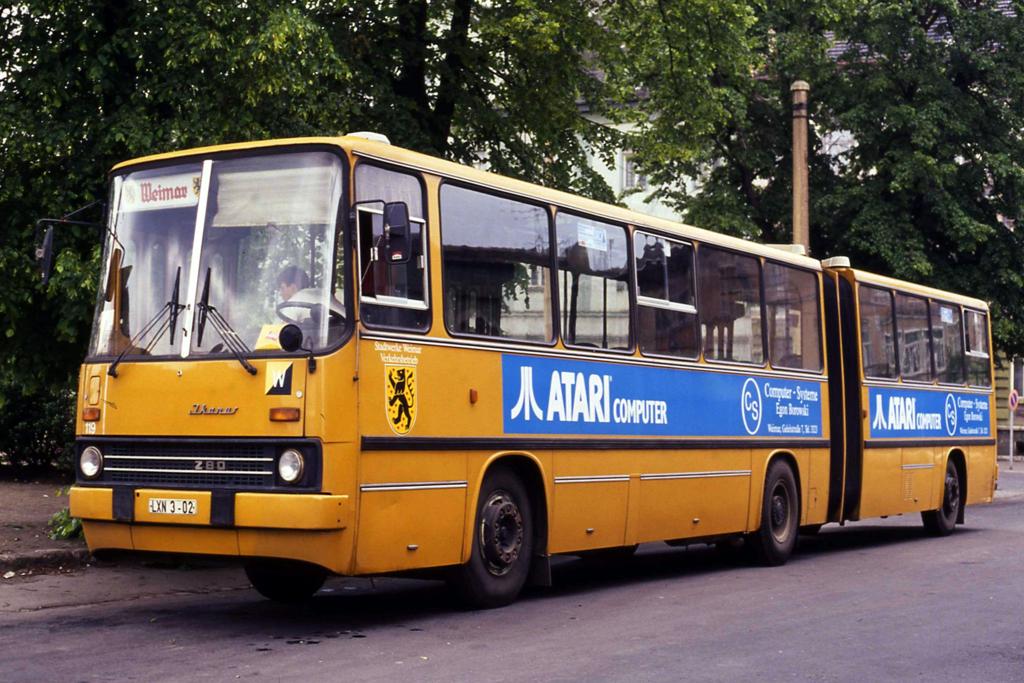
(773,543)
(284,581)
(942,521)
(503,542)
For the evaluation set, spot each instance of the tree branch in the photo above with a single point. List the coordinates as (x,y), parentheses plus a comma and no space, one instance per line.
(453,75)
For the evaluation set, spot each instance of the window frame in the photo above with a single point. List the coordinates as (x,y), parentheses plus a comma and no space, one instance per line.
(385,300)
(663,304)
(816,274)
(655,302)
(968,353)
(896,332)
(630,276)
(340,226)
(963,343)
(629,170)
(697,295)
(552,262)
(394,302)
(860,333)
(967,349)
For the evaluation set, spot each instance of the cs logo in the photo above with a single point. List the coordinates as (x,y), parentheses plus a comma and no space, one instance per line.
(950,412)
(750,406)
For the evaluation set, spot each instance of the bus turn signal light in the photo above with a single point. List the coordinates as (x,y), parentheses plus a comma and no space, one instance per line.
(285,414)
(90,414)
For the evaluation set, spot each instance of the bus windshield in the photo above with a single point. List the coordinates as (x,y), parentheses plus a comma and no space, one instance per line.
(266,254)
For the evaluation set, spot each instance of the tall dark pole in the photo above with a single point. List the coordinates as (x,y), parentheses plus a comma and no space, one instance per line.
(801,200)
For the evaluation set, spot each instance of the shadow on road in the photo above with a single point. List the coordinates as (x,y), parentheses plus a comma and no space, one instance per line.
(360,603)
(359,608)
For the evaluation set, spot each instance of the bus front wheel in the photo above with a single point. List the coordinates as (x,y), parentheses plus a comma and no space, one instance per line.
(503,544)
(942,521)
(285,581)
(773,543)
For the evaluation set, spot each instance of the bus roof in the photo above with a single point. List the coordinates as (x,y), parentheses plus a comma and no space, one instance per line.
(912,288)
(371,149)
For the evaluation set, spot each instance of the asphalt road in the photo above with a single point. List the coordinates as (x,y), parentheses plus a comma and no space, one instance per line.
(869,602)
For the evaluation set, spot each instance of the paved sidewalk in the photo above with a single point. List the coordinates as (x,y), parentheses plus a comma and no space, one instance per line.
(25,545)
(1011,482)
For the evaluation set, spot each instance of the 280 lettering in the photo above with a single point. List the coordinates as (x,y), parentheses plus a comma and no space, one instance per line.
(210,465)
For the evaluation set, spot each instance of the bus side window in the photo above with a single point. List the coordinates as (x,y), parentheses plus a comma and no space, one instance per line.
(913,338)
(730,306)
(978,365)
(947,342)
(391,295)
(794,317)
(667,317)
(593,282)
(876,333)
(497,266)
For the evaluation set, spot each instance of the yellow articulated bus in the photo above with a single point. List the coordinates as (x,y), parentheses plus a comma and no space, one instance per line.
(336,356)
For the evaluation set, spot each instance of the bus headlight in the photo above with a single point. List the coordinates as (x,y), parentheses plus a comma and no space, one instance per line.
(290,466)
(90,462)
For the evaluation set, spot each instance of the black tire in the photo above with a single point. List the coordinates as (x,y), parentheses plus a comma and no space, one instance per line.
(773,543)
(503,543)
(941,522)
(284,581)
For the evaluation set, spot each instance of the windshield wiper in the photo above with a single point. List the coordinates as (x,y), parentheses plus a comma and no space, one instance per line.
(166,318)
(231,339)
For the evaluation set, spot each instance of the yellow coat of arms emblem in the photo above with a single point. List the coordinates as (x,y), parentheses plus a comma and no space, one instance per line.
(400,391)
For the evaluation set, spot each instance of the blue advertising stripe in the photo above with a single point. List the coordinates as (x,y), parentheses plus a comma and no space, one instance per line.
(902,413)
(560,396)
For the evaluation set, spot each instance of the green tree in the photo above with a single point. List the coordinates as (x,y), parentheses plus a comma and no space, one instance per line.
(737,152)
(915,161)
(84,85)
(932,93)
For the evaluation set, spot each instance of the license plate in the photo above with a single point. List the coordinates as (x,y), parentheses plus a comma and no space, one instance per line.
(172,506)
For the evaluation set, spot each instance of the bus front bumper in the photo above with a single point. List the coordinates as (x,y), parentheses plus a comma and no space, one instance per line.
(307,527)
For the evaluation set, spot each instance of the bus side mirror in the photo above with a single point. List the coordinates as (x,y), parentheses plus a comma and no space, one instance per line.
(397,247)
(290,338)
(44,255)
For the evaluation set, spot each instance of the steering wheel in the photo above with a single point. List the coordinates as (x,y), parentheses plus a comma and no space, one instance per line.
(311,301)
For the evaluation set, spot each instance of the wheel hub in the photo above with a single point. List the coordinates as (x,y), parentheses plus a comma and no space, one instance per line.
(780,513)
(952,500)
(501,533)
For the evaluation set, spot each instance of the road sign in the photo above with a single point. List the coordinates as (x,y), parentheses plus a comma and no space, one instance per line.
(1014,399)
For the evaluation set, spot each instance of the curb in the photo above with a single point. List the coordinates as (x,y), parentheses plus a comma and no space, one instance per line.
(49,558)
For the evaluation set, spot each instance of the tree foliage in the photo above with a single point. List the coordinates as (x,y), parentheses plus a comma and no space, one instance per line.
(86,84)
(916,120)
(916,110)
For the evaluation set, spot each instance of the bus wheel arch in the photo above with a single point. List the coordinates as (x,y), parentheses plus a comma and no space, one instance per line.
(531,471)
(790,459)
(779,512)
(942,520)
(510,492)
